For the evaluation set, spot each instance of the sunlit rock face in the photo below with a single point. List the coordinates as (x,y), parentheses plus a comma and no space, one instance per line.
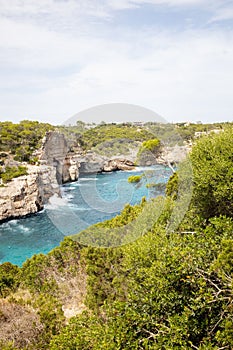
(27,194)
(118,164)
(55,152)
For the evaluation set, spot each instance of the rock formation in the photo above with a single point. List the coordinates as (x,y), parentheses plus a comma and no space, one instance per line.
(27,194)
(55,152)
(166,156)
(91,163)
(118,164)
(70,169)
(173,155)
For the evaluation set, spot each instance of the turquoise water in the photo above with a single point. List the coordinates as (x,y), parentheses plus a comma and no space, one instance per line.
(92,199)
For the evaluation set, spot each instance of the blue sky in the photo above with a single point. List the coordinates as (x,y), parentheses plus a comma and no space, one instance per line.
(59,57)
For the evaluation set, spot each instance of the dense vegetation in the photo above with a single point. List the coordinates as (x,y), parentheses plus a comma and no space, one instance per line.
(22,139)
(110,132)
(172,133)
(166,290)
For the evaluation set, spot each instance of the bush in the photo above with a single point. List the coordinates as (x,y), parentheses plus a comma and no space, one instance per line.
(213,174)
(151,145)
(8,278)
(134,178)
(11,172)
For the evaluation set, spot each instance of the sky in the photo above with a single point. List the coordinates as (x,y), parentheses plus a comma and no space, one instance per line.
(60,57)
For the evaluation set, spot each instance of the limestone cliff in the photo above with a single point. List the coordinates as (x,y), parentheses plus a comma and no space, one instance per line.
(172,155)
(91,163)
(27,194)
(55,152)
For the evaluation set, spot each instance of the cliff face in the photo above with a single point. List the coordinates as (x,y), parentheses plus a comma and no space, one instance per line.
(27,194)
(55,152)
(93,163)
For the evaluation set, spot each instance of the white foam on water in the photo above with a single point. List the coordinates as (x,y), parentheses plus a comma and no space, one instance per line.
(69,196)
(88,179)
(14,222)
(9,224)
(24,228)
(76,208)
(55,202)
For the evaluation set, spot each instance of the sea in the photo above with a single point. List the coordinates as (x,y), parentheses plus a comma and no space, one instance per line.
(91,199)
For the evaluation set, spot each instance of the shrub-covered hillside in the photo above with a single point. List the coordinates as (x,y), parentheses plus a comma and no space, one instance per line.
(109,132)
(23,138)
(167,290)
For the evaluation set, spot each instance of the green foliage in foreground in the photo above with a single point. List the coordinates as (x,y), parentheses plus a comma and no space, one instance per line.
(212,160)
(11,172)
(167,290)
(8,281)
(177,287)
(174,294)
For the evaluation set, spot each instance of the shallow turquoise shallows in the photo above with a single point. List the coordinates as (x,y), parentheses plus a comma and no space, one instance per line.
(92,199)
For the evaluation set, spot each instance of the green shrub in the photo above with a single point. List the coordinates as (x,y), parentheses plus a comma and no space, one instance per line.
(211,159)
(134,178)
(8,278)
(151,145)
(11,172)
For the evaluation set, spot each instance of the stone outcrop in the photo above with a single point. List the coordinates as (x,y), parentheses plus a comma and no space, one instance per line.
(91,163)
(165,156)
(70,169)
(55,152)
(27,194)
(118,164)
(173,155)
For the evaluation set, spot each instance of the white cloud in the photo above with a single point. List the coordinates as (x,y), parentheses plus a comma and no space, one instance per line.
(55,61)
(222,14)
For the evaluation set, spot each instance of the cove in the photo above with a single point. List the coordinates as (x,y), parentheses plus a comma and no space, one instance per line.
(91,199)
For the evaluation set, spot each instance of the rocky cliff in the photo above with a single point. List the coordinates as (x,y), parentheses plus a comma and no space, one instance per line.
(55,152)
(27,194)
(172,155)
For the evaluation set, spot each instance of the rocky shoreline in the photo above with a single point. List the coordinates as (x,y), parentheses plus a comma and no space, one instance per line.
(26,195)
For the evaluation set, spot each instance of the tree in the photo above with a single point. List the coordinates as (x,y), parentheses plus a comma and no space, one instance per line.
(212,160)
